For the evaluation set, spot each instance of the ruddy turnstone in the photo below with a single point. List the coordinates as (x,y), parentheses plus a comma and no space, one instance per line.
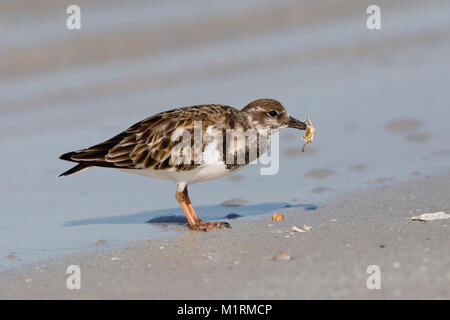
(153,147)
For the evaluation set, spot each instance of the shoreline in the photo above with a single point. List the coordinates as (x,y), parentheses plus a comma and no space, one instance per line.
(378,99)
(329,262)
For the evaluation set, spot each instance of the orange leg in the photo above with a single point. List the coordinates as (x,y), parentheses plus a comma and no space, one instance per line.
(195,223)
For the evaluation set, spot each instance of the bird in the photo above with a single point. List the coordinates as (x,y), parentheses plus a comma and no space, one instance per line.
(154,147)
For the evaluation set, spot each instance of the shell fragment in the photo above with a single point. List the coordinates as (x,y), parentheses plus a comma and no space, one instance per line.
(305,228)
(277,216)
(431,216)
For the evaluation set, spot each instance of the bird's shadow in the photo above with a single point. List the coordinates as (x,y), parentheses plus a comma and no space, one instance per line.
(175,216)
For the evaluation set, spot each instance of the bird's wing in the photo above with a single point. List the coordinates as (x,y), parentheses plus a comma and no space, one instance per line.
(148,143)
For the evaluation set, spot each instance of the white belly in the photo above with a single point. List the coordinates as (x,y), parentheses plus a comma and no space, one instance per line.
(203,172)
(212,166)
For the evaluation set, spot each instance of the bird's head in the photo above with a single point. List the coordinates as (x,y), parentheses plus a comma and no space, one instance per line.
(270,114)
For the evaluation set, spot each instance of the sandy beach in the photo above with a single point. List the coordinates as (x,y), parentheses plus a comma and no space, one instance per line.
(378,98)
(328,262)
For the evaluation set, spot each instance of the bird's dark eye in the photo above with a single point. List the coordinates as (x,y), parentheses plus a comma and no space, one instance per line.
(273,113)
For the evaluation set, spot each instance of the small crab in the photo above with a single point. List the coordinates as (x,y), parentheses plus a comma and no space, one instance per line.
(308,136)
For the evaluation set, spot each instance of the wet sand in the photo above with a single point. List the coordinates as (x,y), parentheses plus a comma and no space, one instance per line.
(379,100)
(329,261)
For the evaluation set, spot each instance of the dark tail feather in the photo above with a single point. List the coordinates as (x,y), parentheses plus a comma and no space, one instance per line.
(68,156)
(77,168)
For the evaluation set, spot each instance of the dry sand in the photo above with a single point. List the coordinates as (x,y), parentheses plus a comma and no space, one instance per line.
(330,261)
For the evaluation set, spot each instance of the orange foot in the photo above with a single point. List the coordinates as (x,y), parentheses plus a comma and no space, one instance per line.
(205,226)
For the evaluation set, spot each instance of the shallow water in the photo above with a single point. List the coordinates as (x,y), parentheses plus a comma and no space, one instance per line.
(379,100)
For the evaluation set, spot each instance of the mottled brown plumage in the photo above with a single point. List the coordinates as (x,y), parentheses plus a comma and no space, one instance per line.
(148,143)
(147,146)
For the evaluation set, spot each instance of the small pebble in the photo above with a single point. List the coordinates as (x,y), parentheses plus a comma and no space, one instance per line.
(282,256)
(99,242)
(235,202)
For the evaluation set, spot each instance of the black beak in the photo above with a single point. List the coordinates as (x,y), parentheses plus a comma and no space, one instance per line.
(296,124)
